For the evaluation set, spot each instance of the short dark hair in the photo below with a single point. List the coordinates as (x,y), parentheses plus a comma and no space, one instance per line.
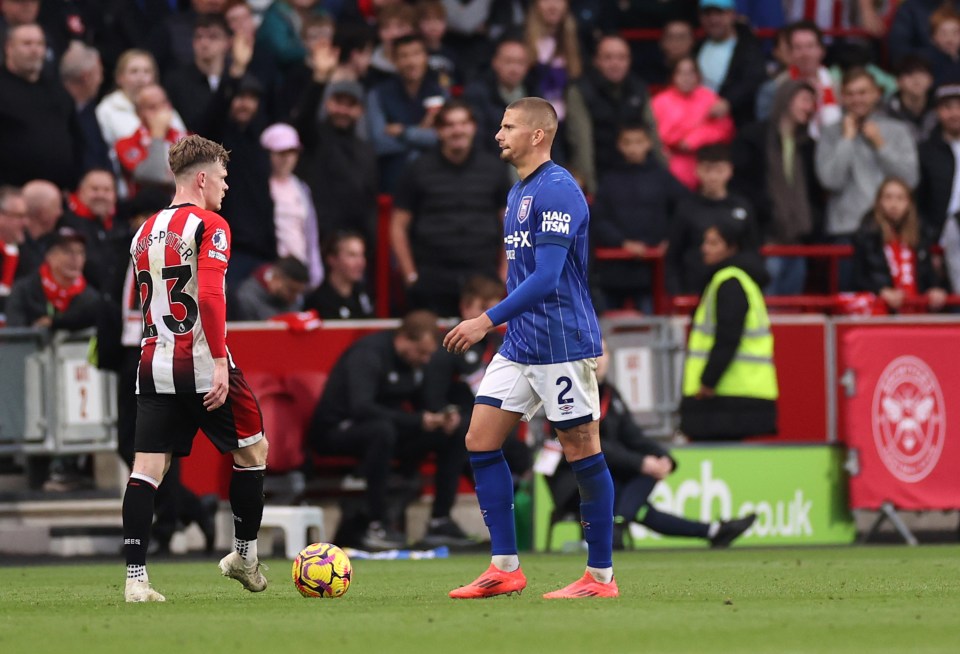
(912,63)
(714,153)
(858,72)
(407,40)
(212,20)
(633,126)
(419,323)
(350,37)
(292,268)
(331,244)
(803,26)
(453,104)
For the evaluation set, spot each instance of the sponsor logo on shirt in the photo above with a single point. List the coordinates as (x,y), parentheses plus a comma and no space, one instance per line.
(220,239)
(525,203)
(213,254)
(556,221)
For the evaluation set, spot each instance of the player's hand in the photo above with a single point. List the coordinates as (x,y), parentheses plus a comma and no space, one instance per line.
(657,467)
(462,337)
(217,395)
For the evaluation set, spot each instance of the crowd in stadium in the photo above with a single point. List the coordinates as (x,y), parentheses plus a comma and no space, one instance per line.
(817,121)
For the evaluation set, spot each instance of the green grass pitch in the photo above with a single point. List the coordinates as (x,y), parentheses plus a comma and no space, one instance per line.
(855,599)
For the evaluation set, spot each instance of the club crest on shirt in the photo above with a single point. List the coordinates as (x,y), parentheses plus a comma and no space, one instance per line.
(220,239)
(524,211)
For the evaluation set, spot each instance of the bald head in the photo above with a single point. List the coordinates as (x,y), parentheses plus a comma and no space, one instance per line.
(44,206)
(536,113)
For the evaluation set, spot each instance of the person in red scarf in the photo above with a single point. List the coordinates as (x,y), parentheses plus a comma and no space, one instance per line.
(143,154)
(57,296)
(13,223)
(890,256)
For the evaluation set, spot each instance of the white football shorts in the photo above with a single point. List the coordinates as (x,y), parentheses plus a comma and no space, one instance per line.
(568,391)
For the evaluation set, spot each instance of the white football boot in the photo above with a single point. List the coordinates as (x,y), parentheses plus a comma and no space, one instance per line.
(140,591)
(250,577)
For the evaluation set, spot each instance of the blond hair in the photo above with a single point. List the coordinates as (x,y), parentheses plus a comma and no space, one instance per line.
(568,46)
(192,151)
(130,55)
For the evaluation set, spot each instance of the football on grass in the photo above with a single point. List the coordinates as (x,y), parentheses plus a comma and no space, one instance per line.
(322,570)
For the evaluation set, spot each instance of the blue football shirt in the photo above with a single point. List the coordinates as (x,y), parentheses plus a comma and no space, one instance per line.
(548,207)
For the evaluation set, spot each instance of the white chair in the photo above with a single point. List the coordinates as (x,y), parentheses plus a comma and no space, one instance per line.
(295,521)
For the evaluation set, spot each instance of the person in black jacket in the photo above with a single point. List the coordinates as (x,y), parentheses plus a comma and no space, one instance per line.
(891,257)
(632,210)
(636,463)
(686,271)
(739,81)
(372,407)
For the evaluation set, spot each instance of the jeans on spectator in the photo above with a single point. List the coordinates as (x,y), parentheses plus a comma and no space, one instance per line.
(788,275)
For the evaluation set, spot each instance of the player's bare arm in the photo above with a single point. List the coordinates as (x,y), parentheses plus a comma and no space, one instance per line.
(469,332)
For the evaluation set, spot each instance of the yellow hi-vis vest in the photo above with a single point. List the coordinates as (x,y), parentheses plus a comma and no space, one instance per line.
(751,373)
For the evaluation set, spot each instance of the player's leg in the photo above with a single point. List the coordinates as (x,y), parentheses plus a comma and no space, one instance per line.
(160,431)
(572,405)
(504,397)
(237,427)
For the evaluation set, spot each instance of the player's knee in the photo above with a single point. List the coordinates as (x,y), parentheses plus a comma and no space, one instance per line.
(252,455)
(476,441)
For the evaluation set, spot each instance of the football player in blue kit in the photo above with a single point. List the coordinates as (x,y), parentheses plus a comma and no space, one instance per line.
(548,357)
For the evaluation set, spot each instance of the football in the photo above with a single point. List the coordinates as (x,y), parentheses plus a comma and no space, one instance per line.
(322,570)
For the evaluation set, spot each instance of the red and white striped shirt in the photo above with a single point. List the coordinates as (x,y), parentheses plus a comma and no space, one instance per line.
(180,258)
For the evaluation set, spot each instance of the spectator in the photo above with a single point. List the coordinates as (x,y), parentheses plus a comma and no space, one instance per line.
(318,35)
(890,256)
(432,25)
(394,21)
(910,29)
(372,407)
(632,210)
(13,224)
(90,210)
(235,119)
(402,109)
(44,211)
(272,290)
(806,53)
(280,30)
(82,74)
(342,295)
(27,12)
(912,103)
(491,92)
(839,14)
(447,222)
(729,379)
(191,86)
(937,202)
(553,46)
(605,97)
(473,26)
(637,464)
(676,42)
(730,59)
(689,116)
(243,28)
(56,296)
(39,137)
(143,154)
(116,113)
(773,162)
(854,156)
(761,14)
(339,167)
(294,215)
(713,205)
(944,51)
(171,40)
(356,43)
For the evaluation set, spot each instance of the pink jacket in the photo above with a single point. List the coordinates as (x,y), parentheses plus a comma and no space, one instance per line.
(684,119)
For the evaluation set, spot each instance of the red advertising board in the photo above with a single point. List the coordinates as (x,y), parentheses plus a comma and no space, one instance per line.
(895,417)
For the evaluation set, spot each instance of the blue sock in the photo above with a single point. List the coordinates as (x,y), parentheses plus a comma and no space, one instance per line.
(596,508)
(495,494)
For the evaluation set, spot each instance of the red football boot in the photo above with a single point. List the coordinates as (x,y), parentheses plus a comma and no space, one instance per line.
(491,583)
(586,586)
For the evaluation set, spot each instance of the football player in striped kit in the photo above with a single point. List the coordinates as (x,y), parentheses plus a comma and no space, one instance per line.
(186,379)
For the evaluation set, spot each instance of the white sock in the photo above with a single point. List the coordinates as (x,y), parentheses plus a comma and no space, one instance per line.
(603,575)
(138,572)
(246,549)
(506,562)
(713,529)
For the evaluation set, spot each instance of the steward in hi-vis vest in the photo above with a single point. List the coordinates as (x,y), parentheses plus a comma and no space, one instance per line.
(729,379)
